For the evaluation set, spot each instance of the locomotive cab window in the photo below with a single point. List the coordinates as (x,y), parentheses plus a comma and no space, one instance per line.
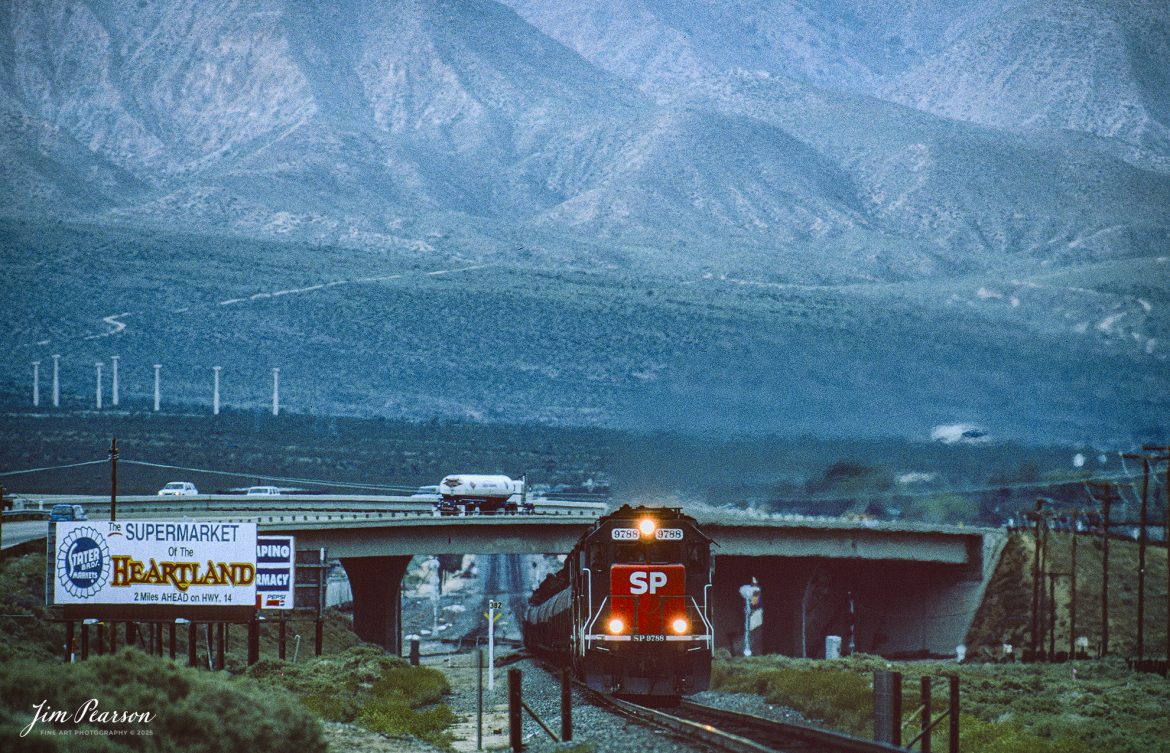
(597,556)
(697,557)
(657,552)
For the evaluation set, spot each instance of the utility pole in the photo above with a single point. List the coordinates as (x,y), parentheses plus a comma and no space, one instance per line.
(1035,631)
(1166,457)
(1052,613)
(1108,497)
(1072,607)
(1036,638)
(114,479)
(36,384)
(1141,595)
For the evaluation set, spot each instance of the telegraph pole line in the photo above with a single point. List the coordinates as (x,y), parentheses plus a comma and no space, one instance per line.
(1166,457)
(1036,639)
(1142,539)
(1108,497)
(1035,631)
(1072,607)
(1052,576)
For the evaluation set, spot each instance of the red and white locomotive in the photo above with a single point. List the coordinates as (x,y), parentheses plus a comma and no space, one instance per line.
(629,610)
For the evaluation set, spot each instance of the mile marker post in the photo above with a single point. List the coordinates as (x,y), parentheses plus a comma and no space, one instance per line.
(492,616)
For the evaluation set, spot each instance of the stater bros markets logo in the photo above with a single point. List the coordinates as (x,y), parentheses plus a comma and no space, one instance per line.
(83,562)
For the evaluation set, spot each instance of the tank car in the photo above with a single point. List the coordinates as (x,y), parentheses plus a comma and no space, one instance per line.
(629,610)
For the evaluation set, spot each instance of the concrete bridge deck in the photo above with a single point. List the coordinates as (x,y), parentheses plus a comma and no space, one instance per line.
(897,588)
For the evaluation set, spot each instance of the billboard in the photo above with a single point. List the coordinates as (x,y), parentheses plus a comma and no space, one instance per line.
(275,572)
(156,563)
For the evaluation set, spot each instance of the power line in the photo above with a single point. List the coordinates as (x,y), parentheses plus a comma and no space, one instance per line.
(51,468)
(284,479)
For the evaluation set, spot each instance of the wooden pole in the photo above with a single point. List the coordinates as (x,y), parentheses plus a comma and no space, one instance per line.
(515,733)
(953,715)
(566,706)
(1034,636)
(924,696)
(1106,502)
(1141,594)
(1072,606)
(254,639)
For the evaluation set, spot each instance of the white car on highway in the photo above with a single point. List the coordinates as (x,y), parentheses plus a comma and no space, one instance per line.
(262,491)
(178,489)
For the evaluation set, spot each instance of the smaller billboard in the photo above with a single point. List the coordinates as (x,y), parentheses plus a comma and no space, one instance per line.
(275,572)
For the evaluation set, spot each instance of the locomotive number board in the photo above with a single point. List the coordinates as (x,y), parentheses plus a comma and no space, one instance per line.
(633,534)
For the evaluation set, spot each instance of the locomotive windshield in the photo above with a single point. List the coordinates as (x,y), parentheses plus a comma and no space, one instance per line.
(653,552)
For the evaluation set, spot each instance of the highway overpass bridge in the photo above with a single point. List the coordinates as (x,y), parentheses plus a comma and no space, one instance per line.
(904,589)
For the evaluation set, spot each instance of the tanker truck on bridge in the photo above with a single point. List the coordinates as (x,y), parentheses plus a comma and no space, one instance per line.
(470,494)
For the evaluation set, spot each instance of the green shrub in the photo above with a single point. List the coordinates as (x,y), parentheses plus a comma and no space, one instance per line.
(393,716)
(1017,708)
(193,711)
(1011,737)
(363,685)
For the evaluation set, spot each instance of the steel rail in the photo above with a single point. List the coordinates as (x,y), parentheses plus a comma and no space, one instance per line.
(736,732)
(788,735)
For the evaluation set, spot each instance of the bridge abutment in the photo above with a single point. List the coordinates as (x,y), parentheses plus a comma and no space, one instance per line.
(376,583)
(894,608)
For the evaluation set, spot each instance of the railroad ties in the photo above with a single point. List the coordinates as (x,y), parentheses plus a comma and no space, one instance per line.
(736,732)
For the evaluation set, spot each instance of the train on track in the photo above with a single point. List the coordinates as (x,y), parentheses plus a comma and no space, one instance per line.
(629,610)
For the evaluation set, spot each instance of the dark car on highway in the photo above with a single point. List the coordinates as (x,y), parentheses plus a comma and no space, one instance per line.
(67,512)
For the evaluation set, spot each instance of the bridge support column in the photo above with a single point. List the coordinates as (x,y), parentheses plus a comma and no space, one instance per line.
(377,605)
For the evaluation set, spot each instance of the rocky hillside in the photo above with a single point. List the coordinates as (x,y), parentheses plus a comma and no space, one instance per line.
(670,197)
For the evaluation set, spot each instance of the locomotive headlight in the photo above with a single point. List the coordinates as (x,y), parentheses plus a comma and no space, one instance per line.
(680,625)
(616,625)
(647,526)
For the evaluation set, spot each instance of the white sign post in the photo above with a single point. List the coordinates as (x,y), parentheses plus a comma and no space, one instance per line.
(492,616)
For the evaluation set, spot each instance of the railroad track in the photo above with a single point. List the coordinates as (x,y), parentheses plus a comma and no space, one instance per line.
(737,732)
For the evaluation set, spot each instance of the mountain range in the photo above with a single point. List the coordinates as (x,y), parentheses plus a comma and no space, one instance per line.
(837,158)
